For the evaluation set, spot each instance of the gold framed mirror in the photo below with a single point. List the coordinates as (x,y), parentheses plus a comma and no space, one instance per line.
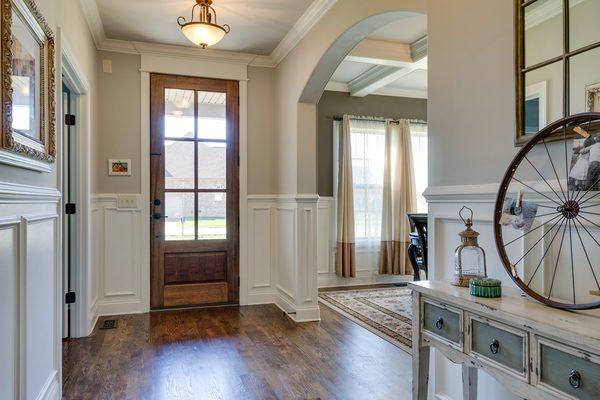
(28,81)
(557,58)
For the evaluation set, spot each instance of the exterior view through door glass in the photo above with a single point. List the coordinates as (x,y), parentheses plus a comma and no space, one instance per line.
(194,187)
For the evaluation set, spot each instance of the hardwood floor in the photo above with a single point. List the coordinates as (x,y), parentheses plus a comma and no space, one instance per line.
(252,352)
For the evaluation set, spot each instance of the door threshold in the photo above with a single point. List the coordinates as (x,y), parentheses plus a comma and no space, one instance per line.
(196,307)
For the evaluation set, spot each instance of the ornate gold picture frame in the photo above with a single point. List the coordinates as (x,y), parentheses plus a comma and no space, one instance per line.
(28,81)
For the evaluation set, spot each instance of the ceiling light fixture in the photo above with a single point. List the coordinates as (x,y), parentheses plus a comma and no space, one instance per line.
(205,31)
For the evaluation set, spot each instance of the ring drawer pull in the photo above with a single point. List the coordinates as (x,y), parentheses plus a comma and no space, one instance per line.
(575,380)
(439,323)
(495,346)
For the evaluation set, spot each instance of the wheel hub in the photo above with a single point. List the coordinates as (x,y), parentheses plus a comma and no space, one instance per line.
(569,210)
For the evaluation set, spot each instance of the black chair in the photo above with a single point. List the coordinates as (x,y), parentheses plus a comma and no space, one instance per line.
(417,249)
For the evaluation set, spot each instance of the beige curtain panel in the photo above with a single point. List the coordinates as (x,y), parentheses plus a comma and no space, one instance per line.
(399,198)
(345,259)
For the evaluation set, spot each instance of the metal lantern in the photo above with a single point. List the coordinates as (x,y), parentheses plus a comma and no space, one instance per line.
(469,257)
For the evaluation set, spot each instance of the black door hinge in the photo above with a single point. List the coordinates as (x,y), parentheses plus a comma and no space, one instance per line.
(238,281)
(238,160)
(70,298)
(70,208)
(70,119)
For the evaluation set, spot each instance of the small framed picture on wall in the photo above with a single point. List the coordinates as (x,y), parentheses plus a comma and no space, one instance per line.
(119,167)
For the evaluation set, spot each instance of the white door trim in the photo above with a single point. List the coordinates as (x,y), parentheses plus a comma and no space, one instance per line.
(202,69)
(83,314)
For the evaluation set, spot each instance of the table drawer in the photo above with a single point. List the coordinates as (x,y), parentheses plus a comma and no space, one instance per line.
(500,344)
(569,371)
(443,322)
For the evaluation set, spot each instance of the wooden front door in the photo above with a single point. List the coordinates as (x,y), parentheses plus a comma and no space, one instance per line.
(194,189)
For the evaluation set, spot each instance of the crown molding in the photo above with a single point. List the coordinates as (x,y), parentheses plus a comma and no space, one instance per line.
(333,86)
(185,52)
(304,24)
(94,22)
(311,16)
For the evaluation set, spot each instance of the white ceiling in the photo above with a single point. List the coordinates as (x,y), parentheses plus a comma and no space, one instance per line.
(257,26)
(406,30)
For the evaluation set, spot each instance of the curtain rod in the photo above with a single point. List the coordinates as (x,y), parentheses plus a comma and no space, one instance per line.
(379,119)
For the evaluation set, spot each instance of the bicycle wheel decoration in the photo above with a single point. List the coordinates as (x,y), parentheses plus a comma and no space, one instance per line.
(547,214)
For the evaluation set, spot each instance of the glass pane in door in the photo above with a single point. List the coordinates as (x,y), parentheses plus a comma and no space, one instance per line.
(179,113)
(212,121)
(179,216)
(212,216)
(212,165)
(179,164)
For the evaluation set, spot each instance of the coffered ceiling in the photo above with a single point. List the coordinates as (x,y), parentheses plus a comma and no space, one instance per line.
(392,61)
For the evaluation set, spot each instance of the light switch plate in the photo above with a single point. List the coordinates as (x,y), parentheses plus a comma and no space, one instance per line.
(127,201)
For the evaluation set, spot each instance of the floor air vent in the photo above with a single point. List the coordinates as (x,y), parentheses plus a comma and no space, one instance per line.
(109,324)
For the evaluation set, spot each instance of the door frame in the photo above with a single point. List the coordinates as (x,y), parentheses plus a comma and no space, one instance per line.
(83,315)
(201,68)
(159,83)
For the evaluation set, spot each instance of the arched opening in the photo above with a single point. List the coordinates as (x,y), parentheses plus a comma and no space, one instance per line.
(376,69)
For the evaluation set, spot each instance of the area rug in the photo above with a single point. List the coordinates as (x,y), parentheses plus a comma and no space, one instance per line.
(387,312)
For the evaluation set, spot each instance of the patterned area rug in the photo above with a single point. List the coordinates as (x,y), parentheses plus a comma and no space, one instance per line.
(387,312)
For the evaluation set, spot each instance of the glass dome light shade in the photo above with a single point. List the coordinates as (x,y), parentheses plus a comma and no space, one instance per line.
(203,34)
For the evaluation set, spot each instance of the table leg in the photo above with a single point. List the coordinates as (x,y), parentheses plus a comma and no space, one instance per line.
(420,373)
(469,381)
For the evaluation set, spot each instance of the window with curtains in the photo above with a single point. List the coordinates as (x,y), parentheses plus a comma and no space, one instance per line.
(368,148)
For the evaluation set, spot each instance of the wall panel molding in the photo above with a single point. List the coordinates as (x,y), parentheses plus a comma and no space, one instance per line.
(30,292)
(117,257)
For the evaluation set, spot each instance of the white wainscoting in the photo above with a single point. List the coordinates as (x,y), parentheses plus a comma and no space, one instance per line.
(367,269)
(118,257)
(30,293)
(282,254)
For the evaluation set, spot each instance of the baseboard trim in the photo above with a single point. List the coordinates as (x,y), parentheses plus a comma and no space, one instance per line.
(256,298)
(369,278)
(120,308)
(295,313)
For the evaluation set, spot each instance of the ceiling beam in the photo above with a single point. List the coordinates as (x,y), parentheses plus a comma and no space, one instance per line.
(380,76)
(381,52)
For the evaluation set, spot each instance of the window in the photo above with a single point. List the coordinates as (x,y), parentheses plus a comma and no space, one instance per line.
(368,149)
(418,133)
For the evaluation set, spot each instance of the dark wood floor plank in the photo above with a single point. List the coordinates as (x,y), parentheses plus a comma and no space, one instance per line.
(234,353)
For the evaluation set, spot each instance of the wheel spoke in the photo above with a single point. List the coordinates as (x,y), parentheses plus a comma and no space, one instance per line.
(589,198)
(538,192)
(546,215)
(562,240)
(536,243)
(591,222)
(546,251)
(538,172)
(586,254)
(572,262)
(590,205)
(554,169)
(566,161)
(588,232)
(589,212)
(532,230)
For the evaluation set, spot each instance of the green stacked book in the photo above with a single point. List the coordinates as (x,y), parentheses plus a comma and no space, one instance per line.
(485,287)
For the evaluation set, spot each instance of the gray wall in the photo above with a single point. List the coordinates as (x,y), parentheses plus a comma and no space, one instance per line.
(119,126)
(119,122)
(336,104)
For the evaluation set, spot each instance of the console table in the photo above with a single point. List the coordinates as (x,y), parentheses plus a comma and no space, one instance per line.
(535,351)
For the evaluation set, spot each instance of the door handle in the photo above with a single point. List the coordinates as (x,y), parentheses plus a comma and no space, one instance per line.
(158,216)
